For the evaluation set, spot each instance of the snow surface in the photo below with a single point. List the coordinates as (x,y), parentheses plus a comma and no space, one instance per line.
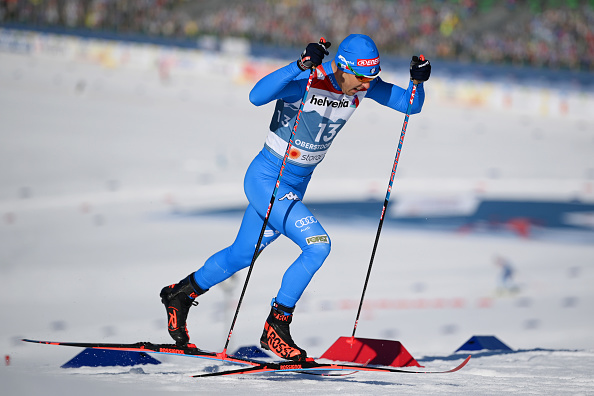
(99,166)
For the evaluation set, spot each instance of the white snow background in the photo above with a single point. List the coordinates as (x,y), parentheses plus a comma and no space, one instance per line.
(98,167)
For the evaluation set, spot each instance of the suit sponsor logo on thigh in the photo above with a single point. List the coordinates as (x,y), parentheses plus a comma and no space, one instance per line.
(317,239)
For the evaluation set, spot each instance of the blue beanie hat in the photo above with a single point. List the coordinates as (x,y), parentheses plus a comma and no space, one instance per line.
(361,54)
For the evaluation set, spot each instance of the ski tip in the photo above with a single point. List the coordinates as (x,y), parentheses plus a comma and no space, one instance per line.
(461,365)
(41,342)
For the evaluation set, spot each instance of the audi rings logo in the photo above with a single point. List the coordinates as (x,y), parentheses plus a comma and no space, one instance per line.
(305,221)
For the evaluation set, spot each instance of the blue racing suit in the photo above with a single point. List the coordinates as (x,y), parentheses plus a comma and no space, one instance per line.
(325,112)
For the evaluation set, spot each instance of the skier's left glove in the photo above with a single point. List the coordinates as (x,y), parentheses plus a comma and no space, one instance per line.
(420,68)
(313,55)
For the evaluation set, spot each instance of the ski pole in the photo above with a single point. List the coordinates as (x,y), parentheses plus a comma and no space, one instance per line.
(272,199)
(386,200)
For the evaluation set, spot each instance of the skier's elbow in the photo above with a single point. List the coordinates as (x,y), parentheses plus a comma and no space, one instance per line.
(255,99)
(259,96)
(416,109)
(418,104)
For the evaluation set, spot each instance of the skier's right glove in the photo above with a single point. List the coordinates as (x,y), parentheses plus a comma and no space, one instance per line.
(420,68)
(313,55)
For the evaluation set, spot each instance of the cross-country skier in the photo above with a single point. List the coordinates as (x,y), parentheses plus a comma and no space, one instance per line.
(337,89)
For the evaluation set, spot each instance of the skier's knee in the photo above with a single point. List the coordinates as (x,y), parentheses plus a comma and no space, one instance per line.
(316,252)
(238,259)
(319,244)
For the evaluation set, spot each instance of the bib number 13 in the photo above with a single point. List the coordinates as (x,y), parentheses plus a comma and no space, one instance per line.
(329,130)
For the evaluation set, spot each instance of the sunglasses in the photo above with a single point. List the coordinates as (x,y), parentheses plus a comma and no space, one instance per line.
(360,77)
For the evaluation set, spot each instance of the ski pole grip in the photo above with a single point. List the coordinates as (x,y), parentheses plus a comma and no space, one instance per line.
(324,43)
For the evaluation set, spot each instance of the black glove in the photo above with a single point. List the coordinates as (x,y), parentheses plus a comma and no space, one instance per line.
(313,55)
(420,68)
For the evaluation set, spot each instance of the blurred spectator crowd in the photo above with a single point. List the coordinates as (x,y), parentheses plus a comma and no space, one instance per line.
(543,33)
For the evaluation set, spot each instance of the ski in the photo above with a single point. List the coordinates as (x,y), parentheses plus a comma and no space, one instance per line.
(148,347)
(311,367)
